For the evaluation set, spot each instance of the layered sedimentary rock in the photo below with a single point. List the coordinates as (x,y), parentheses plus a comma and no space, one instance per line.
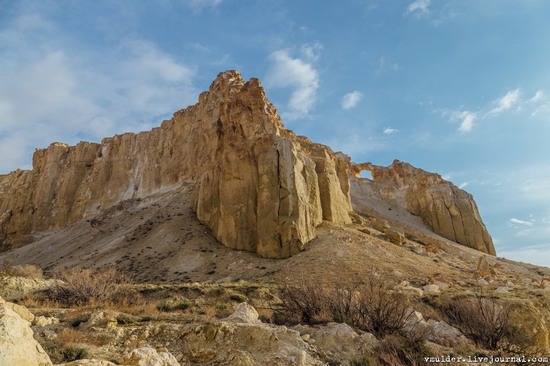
(447,209)
(258,186)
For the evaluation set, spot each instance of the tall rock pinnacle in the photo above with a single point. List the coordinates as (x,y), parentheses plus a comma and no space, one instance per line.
(257,186)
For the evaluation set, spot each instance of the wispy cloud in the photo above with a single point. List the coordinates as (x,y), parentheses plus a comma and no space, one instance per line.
(506,102)
(538,96)
(467,123)
(385,64)
(514,220)
(198,5)
(538,104)
(298,74)
(351,99)
(420,7)
(390,131)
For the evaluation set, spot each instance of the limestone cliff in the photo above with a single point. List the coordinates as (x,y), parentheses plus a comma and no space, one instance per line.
(447,209)
(257,186)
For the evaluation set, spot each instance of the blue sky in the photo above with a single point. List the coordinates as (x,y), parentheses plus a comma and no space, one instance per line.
(459,87)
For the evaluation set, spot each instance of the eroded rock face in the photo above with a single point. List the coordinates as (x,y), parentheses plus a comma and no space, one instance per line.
(447,209)
(258,186)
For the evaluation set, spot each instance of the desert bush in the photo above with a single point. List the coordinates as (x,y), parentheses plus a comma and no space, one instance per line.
(343,302)
(25,270)
(370,305)
(167,306)
(74,353)
(302,303)
(84,286)
(381,311)
(481,319)
(366,360)
(396,350)
(124,319)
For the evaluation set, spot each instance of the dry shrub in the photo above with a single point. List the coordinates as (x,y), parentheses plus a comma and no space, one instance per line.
(381,311)
(371,305)
(303,303)
(82,286)
(395,350)
(25,270)
(481,319)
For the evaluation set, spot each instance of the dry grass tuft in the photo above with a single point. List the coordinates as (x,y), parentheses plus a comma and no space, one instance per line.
(25,270)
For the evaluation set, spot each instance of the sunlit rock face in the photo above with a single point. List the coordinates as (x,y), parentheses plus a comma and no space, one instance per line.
(447,209)
(257,186)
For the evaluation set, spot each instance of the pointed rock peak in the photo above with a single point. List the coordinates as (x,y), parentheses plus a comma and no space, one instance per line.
(227,80)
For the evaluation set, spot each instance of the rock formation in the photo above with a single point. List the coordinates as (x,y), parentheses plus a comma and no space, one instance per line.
(257,186)
(447,209)
(17,345)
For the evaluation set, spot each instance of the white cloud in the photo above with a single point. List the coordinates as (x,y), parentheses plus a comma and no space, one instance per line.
(351,99)
(389,131)
(421,7)
(297,74)
(506,102)
(463,185)
(539,95)
(199,5)
(71,94)
(521,222)
(467,123)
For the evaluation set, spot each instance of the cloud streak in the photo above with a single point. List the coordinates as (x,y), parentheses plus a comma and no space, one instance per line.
(506,102)
(420,7)
(297,74)
(514,220)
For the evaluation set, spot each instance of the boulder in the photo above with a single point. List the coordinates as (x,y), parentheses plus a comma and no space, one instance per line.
(147,356)
(244,313)
(395,236)
(338,342)
(88,362)
(17,344)
(44,321)
(240,339)
(101,319)
(446,335)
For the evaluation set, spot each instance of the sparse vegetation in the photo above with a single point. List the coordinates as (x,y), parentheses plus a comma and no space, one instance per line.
(396,350)
(25,270)
(370,306)
(85,286)
(481,319)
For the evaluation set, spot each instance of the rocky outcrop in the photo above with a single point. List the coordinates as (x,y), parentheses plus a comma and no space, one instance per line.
(242,339)
(147,356)
(257,186)
(447,209)
(17,344)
